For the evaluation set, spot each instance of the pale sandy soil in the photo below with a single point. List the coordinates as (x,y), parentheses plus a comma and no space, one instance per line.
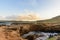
(2,34)
(6,35)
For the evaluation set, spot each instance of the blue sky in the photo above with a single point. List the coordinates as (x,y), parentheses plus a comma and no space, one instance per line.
(44,8)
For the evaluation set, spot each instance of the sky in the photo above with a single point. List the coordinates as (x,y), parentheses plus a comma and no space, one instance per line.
(43,8)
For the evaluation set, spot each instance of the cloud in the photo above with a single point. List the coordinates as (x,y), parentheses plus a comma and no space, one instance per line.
(45,9)
(2,18)
(25,16)
(28,17)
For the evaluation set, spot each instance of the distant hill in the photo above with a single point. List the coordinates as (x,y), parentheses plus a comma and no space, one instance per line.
(52,20)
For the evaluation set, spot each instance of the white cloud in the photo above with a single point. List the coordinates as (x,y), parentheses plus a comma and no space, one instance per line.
(2,18)
(51,9)
(25,16)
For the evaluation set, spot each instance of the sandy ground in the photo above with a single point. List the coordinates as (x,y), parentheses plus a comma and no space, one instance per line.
(6,35)
(2,34)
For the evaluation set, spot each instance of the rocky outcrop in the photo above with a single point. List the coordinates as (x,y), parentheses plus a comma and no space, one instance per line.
(15,32)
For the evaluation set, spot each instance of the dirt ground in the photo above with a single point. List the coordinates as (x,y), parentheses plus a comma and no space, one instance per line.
(9,35)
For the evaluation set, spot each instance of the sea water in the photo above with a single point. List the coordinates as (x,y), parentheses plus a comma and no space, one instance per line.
(45,37)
